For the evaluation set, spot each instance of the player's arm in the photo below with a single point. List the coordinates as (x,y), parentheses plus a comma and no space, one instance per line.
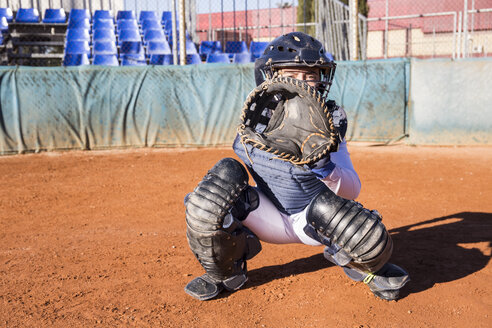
(339,174)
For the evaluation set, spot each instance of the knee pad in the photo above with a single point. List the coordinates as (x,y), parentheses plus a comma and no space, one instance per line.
(216,237)
(358,231)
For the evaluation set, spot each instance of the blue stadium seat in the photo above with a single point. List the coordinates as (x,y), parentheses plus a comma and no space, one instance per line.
(128,61)
(4,26)
(158,59)
(126,14)
(75,60)
(242,58)
(7,13)
(193,59)
(127,24)
(218,58)
(147,14)
(78,34)
(158,48)
(234,47)
(168,27)
(78,14)
(209,47)
(166,16)
(103,23)
(27,15)
(105,60)
(190,46)
(131,49)
(257,48)
(153,35)
(129,35)
(103,35)
(103,14)
(54,16)
(104,48)
(77,47)
(79,23)
(150,24)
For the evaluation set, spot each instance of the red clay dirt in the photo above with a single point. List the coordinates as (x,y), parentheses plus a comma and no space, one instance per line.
(98,239)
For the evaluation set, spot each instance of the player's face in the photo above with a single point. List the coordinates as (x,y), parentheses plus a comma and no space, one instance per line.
(310,75)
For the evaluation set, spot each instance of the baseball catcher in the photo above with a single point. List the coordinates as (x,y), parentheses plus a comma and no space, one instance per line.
(291,139)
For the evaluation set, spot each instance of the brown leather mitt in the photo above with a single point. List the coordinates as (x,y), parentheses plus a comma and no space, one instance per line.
(290,119)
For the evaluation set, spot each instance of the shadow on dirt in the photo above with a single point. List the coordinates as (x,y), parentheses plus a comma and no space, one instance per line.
(436,251)
(433,251)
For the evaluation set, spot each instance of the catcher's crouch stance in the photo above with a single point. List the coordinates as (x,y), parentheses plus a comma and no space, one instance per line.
(292,141)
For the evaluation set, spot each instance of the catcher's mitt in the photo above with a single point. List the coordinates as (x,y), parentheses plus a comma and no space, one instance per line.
(300,129)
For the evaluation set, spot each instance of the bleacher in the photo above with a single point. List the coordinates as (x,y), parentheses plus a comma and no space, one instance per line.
(79,38)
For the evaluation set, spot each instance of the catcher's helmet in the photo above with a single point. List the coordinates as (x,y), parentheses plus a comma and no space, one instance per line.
(295,49)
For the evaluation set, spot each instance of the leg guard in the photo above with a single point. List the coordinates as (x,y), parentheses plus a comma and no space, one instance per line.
(385,283)
(214,230)
(356,230)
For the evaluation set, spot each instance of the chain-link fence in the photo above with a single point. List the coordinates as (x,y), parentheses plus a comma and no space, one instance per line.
(131,32)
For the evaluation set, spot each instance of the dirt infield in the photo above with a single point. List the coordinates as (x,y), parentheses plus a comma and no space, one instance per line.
(98,239)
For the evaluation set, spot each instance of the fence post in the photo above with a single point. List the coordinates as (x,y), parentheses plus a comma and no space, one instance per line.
(182,33)
(465,29)
(354,17)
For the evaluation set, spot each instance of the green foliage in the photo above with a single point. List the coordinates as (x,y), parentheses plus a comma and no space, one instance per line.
(363,6)
(310,16)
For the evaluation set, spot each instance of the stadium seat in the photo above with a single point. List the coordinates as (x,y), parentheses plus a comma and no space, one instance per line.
(190,46)
(166,16)
(103,23)
(4,25)
(131,49)
(75,60)
(27,15)
(218,58)
(78,47)
(78,14)
(126,24)
(257,48)
(7,13)
(78,34)
(234,47)
(105,60)
(128,61)
(79,23)
(103,14)
(158,48)
(158,59)
(129,35)
(147,15)
(54,16)
(193,59)
(209,47)
(154,35)
(242,58)
(150,24)
(103,35)
(104,48)
(126,14)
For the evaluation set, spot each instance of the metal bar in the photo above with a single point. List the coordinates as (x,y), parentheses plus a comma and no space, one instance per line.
(234,17)
(375,19)
(222,19)
(386,31)
(209,36)
(174,33)
(460,19)
(270,19)
(354,49)
(182,33)
(260,27)
(465,29)
(258,17)
(246,18)
(454,36)
(304,15)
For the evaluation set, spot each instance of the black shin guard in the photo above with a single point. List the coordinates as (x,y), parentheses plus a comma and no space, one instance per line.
(358,231)
(214,230)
